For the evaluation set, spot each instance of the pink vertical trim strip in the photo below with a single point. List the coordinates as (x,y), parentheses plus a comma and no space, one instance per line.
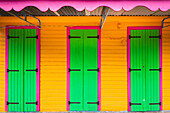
(160,64)
(6,67)
(128,59)
(99,66)
(68,66)
(38,65)
(128,66)
(99,62)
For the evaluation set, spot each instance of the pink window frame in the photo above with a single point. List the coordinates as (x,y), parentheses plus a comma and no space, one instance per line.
(99,62)
(38,65)
(128,59)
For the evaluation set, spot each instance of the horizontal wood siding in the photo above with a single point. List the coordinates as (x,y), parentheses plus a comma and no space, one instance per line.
(53,74)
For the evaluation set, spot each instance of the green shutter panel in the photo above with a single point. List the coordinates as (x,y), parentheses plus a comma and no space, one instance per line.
(21,82)
(138,54)
(145,95)
(76,70)
(152,71)
(90,70)
(15,72)
(30,54)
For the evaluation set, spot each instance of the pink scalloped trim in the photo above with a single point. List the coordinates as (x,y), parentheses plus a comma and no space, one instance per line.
(80,5)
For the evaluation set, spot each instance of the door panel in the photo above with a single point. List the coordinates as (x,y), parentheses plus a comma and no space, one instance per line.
(76,77)
(144,53)
(90,70)
(152,84)
(21,57)
(30,55)
(83,70)
(15,73)
(138,60)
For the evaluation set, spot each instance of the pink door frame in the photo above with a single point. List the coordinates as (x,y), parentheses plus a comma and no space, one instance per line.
(38,65)
(128,59)
(99,62)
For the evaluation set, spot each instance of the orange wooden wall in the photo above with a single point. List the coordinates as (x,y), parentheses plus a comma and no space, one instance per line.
(113,60)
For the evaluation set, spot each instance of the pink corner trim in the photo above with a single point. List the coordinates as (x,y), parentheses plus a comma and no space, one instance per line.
(38,65)
(80,5)
(128,59)
(68,66)
(6,67)
(128,66)
(99,62)
(160,64)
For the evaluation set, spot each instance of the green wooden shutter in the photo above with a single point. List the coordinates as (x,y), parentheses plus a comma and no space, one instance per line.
(152,70)
(30,54)
(15,73)
(144,54)
(90,70)
(138,59)
(76,70)
(21,57)
(83,70)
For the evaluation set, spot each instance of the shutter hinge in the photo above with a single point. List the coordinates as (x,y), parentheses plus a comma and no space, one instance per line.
(134,104)
(155,69)
(73,102)
(8,37)
(32,102)
(74,37)
(93,69)
(12,103)
(93,36)
(93,103)
(11,70)
(134,69)
(33,70)
(155,36)
(155,103)
(33,37)
(134,36)
(73,70)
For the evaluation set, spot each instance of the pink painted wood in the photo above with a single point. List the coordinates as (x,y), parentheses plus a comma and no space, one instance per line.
(38,65)
(80,5)
(128,59)
(99,62)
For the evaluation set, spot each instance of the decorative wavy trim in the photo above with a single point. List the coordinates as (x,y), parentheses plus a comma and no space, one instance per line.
(90,5)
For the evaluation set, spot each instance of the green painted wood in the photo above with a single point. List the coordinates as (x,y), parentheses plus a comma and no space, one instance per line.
(21,84)
(15,62)
(30,55)
(138,59)
(145,83)
(83,83)
(152,78)
(90,77)
(76,77)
